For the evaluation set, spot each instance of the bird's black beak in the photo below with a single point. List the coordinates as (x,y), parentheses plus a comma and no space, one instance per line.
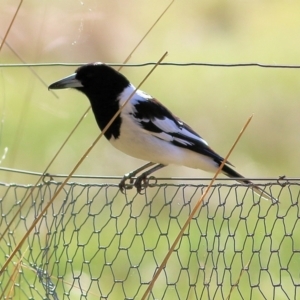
(67,82)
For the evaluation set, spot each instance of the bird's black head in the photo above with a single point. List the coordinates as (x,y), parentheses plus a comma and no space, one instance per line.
(94,80)
(102,85)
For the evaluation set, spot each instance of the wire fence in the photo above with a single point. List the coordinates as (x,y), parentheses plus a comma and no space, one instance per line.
(96,243)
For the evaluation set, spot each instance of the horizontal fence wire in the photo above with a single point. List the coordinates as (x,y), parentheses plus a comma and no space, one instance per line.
(96,243)
(145,64)
(281,180)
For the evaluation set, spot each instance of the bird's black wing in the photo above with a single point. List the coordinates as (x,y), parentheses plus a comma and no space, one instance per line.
(158,121)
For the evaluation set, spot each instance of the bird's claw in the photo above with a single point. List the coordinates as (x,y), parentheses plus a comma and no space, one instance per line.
(141,183)
(123,186)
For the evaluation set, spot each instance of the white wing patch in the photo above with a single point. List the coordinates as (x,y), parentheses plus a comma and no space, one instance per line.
(169,126)
(165,125)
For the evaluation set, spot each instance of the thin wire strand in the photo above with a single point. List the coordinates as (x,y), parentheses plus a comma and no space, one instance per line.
(145,64)
(11,24)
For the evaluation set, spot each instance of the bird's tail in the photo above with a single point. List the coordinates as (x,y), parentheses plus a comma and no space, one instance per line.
(258,190)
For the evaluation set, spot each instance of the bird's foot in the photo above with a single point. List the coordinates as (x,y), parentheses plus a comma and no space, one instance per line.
(141,183)
(123,186)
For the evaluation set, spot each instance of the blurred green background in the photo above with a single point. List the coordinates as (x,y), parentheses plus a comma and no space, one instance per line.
(215,101)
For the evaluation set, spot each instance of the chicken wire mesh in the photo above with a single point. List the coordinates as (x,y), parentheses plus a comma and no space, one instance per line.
(96,243)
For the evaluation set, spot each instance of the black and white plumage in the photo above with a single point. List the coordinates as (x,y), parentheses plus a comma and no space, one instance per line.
(145,129)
